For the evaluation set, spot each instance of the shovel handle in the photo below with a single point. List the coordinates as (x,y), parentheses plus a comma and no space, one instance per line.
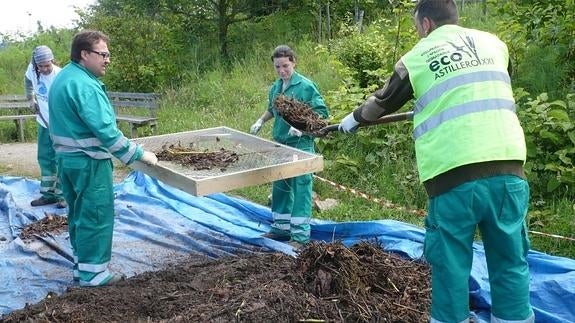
(385,119)
(390,118)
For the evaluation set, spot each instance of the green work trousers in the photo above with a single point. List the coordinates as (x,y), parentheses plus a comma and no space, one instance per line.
(88,189)
(498,207)
(292,203)
(49,185)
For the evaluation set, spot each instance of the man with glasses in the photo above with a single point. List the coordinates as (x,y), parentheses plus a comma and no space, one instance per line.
(85,136)
(470,151)
(38,78)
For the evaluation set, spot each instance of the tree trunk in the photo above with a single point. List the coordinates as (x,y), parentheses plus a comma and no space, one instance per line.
(223,24)
(356,12)
(328,21)
(360,21)
(223,38)
(319,22)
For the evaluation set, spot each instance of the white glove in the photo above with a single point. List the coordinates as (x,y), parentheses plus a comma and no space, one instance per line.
(348,124)
(149,158)
(294,132)
(255,128)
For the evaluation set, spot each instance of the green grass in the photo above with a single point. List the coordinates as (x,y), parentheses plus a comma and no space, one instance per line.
(8,131)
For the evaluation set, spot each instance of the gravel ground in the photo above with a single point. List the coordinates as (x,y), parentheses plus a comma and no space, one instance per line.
(19,159)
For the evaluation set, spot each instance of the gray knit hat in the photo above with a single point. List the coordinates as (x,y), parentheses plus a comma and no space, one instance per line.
(42,54)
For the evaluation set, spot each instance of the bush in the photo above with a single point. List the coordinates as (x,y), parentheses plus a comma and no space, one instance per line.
(550,136)
(145,57)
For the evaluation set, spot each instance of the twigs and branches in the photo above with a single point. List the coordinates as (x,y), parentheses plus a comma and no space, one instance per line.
(298,114)
(369,283)
(199,160)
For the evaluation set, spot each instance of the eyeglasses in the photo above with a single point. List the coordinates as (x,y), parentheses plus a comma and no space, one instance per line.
(103,54)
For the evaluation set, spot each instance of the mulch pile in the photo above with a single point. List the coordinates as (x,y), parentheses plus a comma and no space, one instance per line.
(299,115)
(50,224)
(326,282)
(199,160)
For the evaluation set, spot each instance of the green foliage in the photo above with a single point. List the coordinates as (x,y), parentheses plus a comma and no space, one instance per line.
(371,53)
(317,63)
(137,64)
(539,70)
(288,27)
(550,137)
(540,37)
(16,56)
(346,97)
(553,216)
(362,53)
(13,63)
(373,158)
(237,96)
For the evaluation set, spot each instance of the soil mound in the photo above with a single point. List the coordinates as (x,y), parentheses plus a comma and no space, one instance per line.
(325,282)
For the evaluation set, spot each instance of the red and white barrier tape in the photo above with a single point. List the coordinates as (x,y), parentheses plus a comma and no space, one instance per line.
(552,235)
(382,202)
(391,205)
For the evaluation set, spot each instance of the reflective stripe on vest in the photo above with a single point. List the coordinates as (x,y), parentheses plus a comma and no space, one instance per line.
(436,91)
(461,110)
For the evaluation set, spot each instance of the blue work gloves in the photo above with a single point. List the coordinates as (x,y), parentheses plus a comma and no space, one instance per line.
(294,132)
(348,124)
(255,128)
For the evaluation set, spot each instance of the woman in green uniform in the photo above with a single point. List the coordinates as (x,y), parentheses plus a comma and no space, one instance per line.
(292,197)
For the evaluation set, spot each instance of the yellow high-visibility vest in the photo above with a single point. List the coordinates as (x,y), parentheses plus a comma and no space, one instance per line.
(464,110)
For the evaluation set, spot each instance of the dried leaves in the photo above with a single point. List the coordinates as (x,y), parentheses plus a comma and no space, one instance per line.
(298,114)
(51,223)
(199,160)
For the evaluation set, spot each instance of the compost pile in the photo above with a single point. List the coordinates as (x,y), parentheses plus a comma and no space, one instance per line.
(299,115)
(325,282)
(50,224)
(198,160)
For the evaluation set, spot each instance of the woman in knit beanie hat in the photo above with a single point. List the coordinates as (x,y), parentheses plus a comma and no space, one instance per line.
(37,81)
(42,54)
(41,57)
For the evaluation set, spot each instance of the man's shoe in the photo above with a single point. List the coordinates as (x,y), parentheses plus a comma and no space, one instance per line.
(276,236)
(296,245)
(116,278)
(61,204)
(43,201)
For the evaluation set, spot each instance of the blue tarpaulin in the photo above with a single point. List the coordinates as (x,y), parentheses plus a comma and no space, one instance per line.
(156,224)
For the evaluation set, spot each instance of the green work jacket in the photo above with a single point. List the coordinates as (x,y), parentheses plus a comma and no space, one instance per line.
(82,119)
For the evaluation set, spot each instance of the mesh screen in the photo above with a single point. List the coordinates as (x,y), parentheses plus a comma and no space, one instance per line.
(253,152)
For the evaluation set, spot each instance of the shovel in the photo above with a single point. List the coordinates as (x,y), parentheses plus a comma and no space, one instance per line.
(385,119)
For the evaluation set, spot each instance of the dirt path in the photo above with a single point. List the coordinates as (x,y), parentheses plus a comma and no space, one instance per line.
(19,159)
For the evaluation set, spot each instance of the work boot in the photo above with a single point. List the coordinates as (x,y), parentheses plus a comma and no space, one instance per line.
(43,201)
(296,245)
(116,278)
(276,236)
(61,204)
